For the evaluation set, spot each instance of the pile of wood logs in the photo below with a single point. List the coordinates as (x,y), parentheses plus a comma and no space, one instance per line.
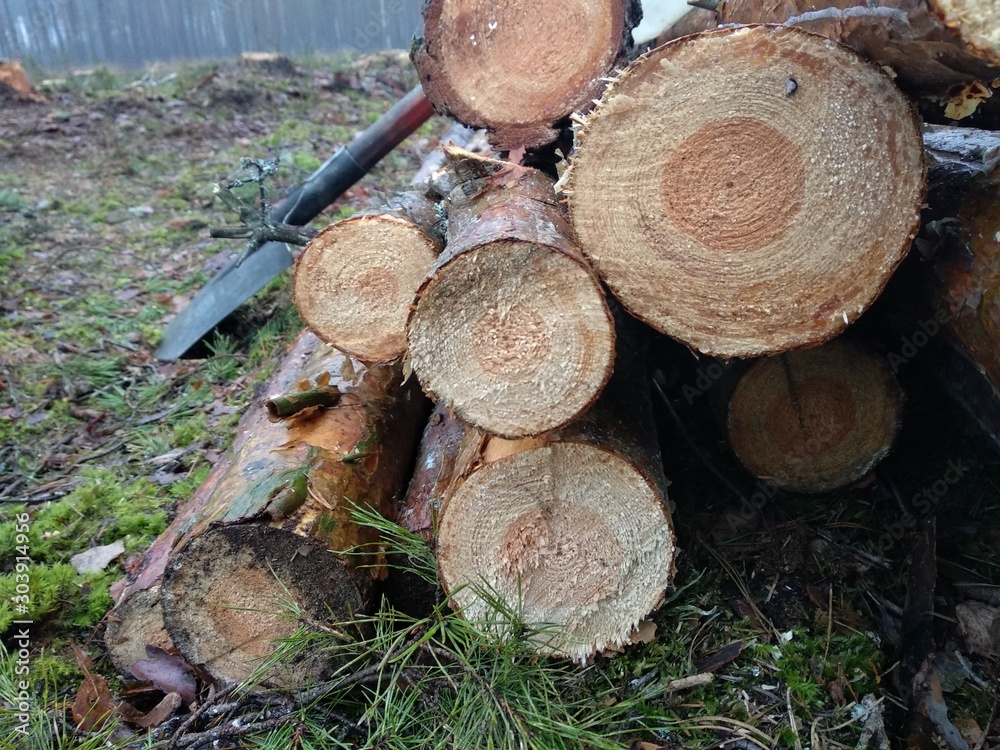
(747,190)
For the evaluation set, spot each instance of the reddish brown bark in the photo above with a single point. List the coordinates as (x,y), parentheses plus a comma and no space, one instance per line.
(931,45)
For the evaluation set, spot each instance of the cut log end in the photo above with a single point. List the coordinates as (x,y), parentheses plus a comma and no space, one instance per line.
(356,280)
(815,419)
(750,190)
(134,624)
(572,534)
(517,67)
(225,600)
(516,335)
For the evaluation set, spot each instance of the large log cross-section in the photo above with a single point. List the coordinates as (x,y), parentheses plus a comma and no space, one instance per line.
(748,190)
(520,66)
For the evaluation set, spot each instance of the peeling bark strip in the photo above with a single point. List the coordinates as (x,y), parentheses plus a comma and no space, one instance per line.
(356,280)
(277,514)
(955,157)
(571,528)
(517,67)
(748,191)
(815,419)
(932,45)
(511,327)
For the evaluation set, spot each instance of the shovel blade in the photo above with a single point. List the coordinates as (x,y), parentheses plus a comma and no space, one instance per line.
(221,296)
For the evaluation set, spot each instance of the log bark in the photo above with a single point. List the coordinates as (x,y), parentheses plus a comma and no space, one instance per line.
(748,191)
(356,280)
(137,618)
(518,68)
(956,157)
(272,524)
(449,450)
(931,45)
(968,294)
(815,419)
(511,328)
(694,21)
(570,529)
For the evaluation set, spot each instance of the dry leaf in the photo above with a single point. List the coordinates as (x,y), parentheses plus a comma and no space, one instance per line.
(169,673)
(159,714)
(714,662)
(93,704)
(966,101)
(970,730)
(97,559)
(644,633)
(347,370)
(980,624)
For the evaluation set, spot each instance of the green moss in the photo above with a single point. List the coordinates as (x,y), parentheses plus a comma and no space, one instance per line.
(186,487)
(48,588)
(102,509)
(54,669)
(344,212)
(11,251)
(305,161)
(11,200)
(289,132)
(189,430)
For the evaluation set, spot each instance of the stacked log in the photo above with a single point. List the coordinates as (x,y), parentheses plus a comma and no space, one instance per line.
(570,528)
(137,619)
(372,265)
(770,180)
(815,419)
(269,526)
(511,327)
(519,67)
(967,271)
(936,48)
(356,280)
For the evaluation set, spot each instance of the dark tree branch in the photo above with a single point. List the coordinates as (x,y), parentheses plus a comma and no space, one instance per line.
(256,224)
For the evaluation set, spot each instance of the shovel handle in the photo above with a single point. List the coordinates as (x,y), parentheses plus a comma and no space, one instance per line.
(355,160)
